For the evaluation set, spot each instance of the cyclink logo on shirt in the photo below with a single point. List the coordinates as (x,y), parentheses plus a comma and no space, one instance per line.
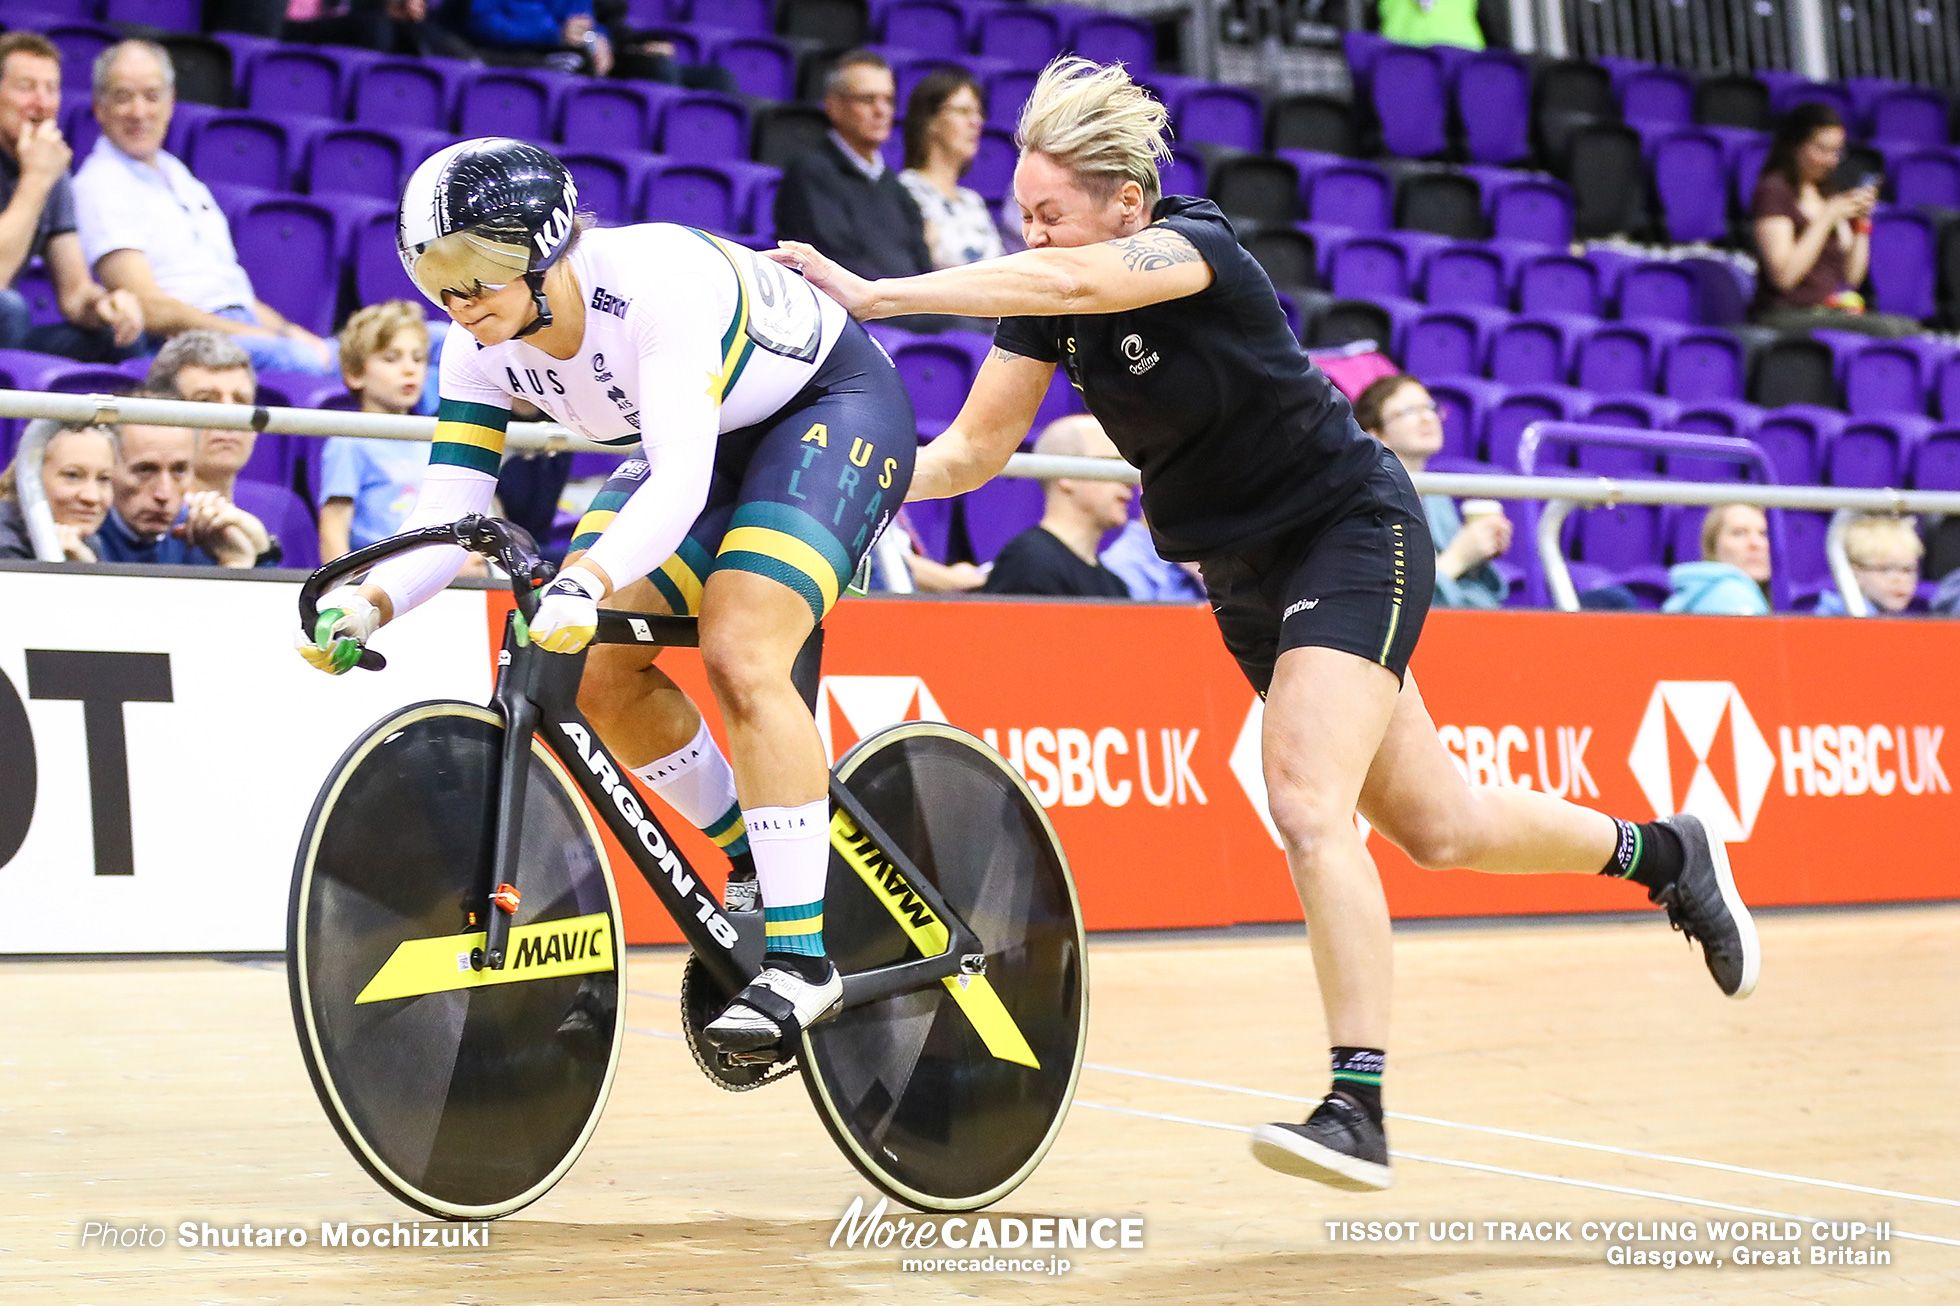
(606,302)
(1142,357)
(599,372)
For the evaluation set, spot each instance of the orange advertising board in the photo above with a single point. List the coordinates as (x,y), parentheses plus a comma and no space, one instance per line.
(1814,746)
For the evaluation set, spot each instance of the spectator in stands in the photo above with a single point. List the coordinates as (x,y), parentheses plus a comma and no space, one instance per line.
(1133,556)
(78,466)
(840,196)
(150,228)
(1815,248)
(1398,411)
(1057,555)
(942,136)
(901,565)
(158,518)
(1432,22)
(37,218)
(390,26)
(1732,578)
(556,34)
(641,54)
(1884,551)
(368,486)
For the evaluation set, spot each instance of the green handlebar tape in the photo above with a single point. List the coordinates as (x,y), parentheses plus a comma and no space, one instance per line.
(323,628)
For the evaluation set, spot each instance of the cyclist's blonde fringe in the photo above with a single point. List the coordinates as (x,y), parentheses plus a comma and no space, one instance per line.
(1096,122)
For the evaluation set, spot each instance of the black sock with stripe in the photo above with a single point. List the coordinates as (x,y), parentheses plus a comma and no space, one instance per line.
(1358,1074)
(1648,854)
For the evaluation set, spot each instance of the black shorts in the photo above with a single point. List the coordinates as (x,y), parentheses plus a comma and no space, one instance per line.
(798,497)
(1359,581)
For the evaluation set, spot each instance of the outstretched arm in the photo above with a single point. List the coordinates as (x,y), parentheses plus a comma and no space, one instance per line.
(1154,265)
(992,423)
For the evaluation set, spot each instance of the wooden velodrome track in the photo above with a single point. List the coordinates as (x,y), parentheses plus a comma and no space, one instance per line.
(166,1091)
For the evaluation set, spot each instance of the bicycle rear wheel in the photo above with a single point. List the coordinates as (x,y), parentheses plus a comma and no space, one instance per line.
(466,1093)
(925,1107)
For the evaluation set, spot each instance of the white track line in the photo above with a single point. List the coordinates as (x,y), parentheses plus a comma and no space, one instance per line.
(1527,1174)
(656,1033)
(1547,1138)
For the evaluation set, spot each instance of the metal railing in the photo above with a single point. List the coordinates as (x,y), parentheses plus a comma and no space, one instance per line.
(1569,491)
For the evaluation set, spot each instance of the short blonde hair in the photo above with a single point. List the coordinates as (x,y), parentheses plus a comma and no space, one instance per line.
(1093,120)
(369,331)
(1869,528)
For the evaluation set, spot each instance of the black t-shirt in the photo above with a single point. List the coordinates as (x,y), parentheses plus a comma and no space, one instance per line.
(1239,437)
(57,212)
(1035,562)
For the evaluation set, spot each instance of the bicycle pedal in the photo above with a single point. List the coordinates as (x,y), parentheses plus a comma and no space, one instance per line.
(756,1057)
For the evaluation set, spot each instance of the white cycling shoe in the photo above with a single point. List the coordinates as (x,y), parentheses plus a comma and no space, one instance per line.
(775,1008)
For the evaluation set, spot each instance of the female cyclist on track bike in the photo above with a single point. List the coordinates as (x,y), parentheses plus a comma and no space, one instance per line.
(1314,550)
(774,440)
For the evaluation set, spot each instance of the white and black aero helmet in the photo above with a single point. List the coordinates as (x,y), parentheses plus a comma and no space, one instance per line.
(482,214)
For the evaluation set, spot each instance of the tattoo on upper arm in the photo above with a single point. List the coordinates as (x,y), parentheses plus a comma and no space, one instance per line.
(1155,248)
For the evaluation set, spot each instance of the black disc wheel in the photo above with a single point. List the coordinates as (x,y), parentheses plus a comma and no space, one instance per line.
(948,1097)
(465,1092)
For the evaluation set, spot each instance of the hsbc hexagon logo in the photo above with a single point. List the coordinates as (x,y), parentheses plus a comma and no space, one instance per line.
(1699,751)
(851,707)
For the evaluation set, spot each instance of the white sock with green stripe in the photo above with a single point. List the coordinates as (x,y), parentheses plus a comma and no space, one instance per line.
(697,782)
(791,846)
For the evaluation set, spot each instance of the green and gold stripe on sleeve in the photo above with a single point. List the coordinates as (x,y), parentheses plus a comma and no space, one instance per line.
(469,435)
(736,345)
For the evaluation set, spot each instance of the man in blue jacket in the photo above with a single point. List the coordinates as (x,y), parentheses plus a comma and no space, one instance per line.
(548,28)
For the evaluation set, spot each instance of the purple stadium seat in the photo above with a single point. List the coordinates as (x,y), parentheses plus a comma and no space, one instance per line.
(611,185)
(1904,254)
(1747,150)
(291,247)
(171,15)
(1620,358)
(1463,403)
(1721,417)
(1449,341)
(694,195)
(78,127)
(992,171)
(1882,377)
(397,93)
(286,516)
(1528,207)
(935,27)
(1936,460)
(1221,115)
(1493,100)
(1917,114)
(685,40)
(37,288)
(1060,401)
(1659,289)
(1006,93)
(378,273)
(1535,349)
(736,15)
(510,102)
(358,161)
(1024,36)
(1657,95)
(295,80)
(1410,101)
(1625,539)
(1793,437)
(1465,274)
(1924,178)
(1946,388)
(608,116)
(1704,365)
(1184,174)
(1350,193)
(937,371)
(1689,170)
(1367,267)
(704,127)
(761,65)
(1362,49)
(1784,98)
(1518,407)
(241,148)
(1873,452)
(79,43)
(234,200)
(1559,283)
(1636,412)
(1114,38)
(998,511)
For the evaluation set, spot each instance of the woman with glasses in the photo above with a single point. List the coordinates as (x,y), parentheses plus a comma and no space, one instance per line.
(942,137)
(1314,551)
(772,441)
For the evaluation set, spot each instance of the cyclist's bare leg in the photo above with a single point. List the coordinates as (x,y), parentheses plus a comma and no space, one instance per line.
(1418,799)
(751,631)
(639,712)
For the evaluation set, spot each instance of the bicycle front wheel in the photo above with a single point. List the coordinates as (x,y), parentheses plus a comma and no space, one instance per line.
(465,1093)
(949,1096)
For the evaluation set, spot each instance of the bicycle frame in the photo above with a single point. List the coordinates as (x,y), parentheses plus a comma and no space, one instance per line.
(536,694)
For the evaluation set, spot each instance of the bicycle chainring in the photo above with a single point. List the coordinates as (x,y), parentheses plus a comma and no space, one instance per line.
(701,1002)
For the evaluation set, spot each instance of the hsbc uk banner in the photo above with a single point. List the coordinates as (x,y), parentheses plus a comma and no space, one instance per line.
(1814,747)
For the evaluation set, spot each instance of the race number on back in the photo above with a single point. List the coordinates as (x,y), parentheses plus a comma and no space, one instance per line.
(783,314)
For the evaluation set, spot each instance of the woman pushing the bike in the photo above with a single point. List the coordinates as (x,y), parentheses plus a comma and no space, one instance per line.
(773,440)
(1313,548)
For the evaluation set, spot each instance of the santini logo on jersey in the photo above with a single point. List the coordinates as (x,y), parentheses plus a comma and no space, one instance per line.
(606,302)
(1142,357)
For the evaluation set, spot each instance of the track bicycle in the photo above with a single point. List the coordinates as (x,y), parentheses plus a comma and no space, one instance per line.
(456,957)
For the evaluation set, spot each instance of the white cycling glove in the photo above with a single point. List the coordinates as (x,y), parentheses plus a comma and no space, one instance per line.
(568,614)
(346,622)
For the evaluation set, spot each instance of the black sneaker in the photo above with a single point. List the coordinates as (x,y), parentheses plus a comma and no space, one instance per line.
(1339,1145)
(1704,905)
